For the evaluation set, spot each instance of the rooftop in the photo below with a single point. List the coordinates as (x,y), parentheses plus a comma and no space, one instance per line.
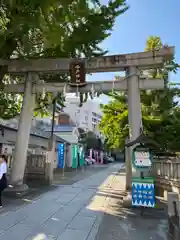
(61,128)
(37,132)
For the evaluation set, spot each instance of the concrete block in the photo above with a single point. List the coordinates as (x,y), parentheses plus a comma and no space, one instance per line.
(171,198)
(127,200)
(85,212)
(70,234)
(165,195)
(9,220)
(19,231)
(93,233)
(99,219)
(81,223)
(67,213)
(17,191)
(66,198)
(51,229)
(36,218)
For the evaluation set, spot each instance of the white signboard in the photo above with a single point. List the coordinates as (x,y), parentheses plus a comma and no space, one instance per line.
(142,159)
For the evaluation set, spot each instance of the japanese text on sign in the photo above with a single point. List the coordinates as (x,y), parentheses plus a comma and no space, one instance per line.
(77,73)
(143,194)
(142,159)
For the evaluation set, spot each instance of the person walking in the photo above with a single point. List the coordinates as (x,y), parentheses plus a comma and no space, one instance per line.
(3,178)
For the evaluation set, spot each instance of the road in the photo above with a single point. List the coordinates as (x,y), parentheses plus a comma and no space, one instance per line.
(86,210)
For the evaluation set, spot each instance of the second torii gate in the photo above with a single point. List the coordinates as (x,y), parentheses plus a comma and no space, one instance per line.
(131,63)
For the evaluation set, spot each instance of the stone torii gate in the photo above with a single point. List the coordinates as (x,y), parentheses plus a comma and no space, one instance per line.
(130,63)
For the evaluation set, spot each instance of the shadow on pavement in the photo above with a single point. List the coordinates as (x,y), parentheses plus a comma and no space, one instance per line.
(36,190)
(128,224)
(91,209)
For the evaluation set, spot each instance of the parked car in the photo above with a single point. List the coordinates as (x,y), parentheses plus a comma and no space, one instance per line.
(110,159)
(105,159)
(89,161)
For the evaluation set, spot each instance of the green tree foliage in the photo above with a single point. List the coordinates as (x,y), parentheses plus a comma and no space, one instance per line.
(160,110)
(114,124)
(44,29)
(90,140)
(160,107)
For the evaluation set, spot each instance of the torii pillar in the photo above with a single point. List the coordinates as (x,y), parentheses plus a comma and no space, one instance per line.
(22,137)
(135,119)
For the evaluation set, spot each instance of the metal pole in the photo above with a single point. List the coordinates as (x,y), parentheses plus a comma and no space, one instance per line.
(63,169)
(52,125)
(64,163)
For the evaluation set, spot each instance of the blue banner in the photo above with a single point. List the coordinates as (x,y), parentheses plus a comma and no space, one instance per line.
(143,194)
(60,155)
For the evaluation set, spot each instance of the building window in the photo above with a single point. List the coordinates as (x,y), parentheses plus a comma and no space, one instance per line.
(86,118)
(93,126)
(94,120)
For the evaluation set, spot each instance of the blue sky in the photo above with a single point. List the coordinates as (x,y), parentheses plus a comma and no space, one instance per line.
(144,18)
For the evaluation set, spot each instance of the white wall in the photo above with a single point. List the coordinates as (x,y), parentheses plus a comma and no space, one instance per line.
(87,117)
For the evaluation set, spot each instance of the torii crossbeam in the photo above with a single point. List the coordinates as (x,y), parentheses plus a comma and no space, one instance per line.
(130,63)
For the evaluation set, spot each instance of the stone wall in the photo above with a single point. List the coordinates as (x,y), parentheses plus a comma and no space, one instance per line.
(37,169)
(174,216)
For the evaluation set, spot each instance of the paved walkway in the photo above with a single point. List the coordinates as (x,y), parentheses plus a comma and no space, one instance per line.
(89,209)
(67,213)
(119,223)
(37,190)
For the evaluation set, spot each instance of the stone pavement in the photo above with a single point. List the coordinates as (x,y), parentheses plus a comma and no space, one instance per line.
(119,223)
(36,189)
(71,212)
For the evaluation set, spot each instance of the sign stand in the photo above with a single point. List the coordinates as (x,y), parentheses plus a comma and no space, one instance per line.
(143,194)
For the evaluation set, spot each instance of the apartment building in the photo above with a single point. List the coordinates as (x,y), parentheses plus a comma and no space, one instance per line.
(87,117)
